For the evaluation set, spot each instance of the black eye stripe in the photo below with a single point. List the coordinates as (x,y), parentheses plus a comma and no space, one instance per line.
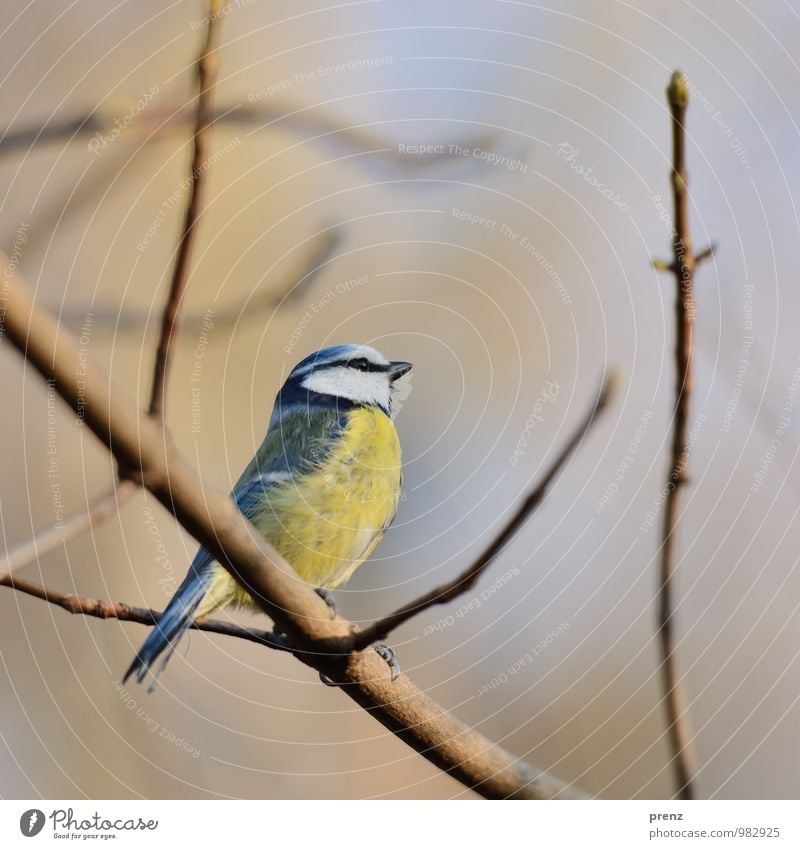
(359,364)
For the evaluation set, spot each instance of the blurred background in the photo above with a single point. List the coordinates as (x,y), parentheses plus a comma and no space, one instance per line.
(480,188)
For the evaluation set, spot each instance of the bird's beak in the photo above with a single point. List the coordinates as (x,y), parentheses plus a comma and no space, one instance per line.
(398,369)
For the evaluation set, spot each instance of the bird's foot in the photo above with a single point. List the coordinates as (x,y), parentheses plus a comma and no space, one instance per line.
(327,597)
(387,653)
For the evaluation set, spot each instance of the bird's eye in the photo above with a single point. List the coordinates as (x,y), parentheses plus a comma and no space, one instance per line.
(362,364)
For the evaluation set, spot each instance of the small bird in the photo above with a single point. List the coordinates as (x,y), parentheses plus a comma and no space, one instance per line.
(322,488)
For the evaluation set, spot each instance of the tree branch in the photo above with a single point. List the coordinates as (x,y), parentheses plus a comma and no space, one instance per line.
(381,629)
(102,508)
(682,266)
(268,114)
(145,616)
(106,505)
(206,70)
(64,130)
(323,642)
(323,246)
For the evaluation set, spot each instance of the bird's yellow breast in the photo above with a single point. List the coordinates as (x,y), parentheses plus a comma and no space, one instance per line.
(326,522)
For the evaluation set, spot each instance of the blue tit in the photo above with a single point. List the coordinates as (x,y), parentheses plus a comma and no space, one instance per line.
(322,488)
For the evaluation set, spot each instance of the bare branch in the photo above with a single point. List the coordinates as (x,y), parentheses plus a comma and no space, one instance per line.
(323,642)
(381,629)
(102,508)
(106,505)
(268,114)
(66,130)
(705,254)
(124,612)
(206,70)
(683,267)
(323,247)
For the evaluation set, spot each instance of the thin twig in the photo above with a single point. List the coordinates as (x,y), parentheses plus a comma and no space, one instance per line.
(145,616)
(206,70)
(107,504)
(158,122)
(66,130)
(381,629)
(682,266)
(91,190)
(253,308)
(705,254)
(319,640)
(101,508)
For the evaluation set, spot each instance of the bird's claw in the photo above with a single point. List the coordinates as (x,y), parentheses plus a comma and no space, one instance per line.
(327,596)
(387,653)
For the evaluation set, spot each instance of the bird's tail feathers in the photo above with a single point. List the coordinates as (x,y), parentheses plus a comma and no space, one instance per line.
(171,626)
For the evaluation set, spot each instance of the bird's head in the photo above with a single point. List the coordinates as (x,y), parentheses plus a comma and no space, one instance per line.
(351,373)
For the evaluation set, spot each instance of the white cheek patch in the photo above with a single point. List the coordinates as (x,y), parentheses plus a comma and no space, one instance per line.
(363,387)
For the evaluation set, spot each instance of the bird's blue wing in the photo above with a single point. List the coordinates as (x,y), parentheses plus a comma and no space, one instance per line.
(175,620)
(296,444)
